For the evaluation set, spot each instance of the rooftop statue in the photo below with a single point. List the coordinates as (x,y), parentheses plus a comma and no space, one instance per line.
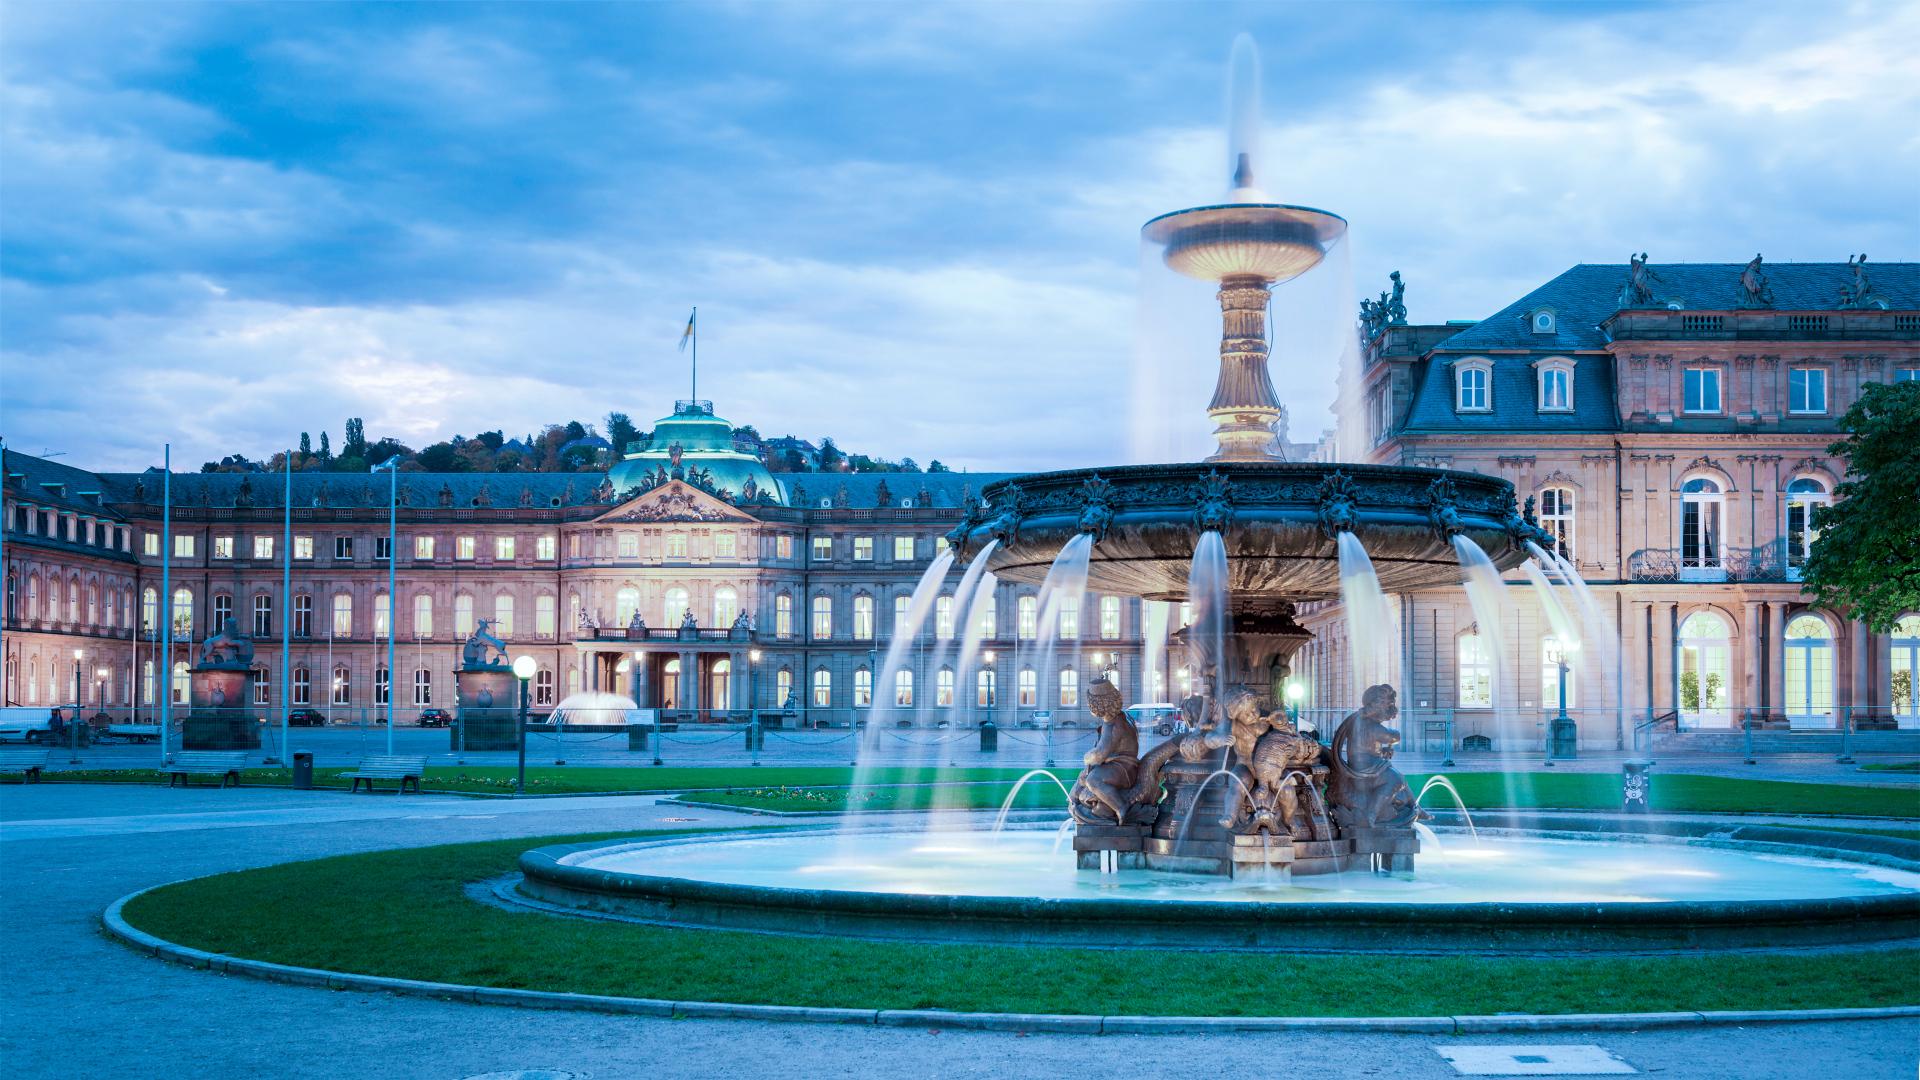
(1396,307)
(1753,282)
(1638,291)
(1854,294)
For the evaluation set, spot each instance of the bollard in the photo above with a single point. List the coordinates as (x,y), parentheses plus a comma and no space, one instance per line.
(303,770)
(1636,787)
(989,737)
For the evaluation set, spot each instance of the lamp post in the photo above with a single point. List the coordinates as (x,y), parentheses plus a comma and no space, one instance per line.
(523,669)
(993,677)
(1295,692)
(73,727)
(753,689)
(1563,737)
(100,673)
(392,467)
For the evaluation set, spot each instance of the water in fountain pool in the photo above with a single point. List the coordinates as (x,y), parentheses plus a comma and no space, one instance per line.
(1371,635)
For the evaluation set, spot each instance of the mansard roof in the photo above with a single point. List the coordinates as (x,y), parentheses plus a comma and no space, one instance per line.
(44,482)
(861,491)
(419,490)
(1586,295)
(1515,397)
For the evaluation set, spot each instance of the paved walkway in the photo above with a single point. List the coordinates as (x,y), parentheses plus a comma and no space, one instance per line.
(77,1004)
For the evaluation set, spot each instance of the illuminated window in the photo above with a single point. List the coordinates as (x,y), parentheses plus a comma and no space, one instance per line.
(423,548)
(783,616)
(342,615)
(1110,618)
(903,549)
(263,547)
(463,616)
(463,548)
(943,688)
(943,617)
(822,688)
(222,547)
(1029,688)
(863,549)
(503,548)
(903,688)
(862,688)
(1475,672)
(1028,611)
(822,618)
(303,547)
(1556,517)
(422,615)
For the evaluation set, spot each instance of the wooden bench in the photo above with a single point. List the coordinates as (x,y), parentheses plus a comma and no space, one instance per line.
(137,733)
(388,767)
(27,763)
(225,764)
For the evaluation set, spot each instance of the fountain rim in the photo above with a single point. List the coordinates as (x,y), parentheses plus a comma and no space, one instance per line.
(1149,228)
(554,875)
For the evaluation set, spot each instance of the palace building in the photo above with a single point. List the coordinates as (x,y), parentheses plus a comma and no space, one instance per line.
(1668,422)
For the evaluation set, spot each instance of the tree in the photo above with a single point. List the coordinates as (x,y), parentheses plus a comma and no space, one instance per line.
(386,448)
(621,432)
(936,466)
(830,456)
(306,444)
(326,449)
(1867,559)
(492,440)
(907,464)
(355,444)
(444,457)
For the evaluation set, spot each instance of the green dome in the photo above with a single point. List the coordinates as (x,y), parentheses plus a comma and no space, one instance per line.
(704,441)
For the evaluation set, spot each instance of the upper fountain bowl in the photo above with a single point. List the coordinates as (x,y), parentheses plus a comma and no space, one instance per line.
(1280,522)
(1270,241)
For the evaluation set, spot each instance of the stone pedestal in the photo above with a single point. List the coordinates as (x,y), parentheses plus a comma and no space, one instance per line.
(223,717)
(1389,850)
(1120,845)
(1188,836)
(489,709)
(1257,850)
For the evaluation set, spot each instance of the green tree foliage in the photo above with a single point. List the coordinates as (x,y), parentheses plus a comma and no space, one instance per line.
(621,432)
(936,466)
(306,444)
(830,456)
(355,444)
(326,449)
(1867,559)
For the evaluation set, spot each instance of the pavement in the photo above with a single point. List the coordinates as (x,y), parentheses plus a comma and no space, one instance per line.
(77,1004)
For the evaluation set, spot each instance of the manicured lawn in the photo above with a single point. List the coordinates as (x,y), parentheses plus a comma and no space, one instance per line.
(403,913)
(1892,766)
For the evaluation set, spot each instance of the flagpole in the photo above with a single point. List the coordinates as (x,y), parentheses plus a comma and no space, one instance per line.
(693,327)
(286,613)
(164,611)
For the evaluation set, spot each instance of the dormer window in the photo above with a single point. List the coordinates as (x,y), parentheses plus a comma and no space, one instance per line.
(1556,384)
(1473,385)
(1542,321)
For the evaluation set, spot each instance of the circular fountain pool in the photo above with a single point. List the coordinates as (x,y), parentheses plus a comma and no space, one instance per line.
(1510,892)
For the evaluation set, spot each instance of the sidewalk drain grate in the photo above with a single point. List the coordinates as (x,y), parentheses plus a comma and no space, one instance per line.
(1562,1060)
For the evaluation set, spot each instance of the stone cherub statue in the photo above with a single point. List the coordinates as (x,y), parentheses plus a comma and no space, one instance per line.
(227,648)
(1104,794)
(1266,748)
(474,654)
(1366,791)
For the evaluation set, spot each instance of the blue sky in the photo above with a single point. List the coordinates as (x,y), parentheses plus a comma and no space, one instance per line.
(913,227)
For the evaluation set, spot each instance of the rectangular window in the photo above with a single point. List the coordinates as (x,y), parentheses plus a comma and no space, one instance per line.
(183,547)
(1476,674)
(303,616)
(1110,618)
(423,548)
(151,545)
(783,616)
(263,547)
(381,612)
(223,547)
(723,545)
(303,547)
(1069,618)
(1702,387)
(822,618)
(863,549)
(1473,389)
(1555,394)
(263,616)
(423,615)
(343,547)
(342,686)
(1807,390)
(628,545)
(381,686)
(903,549)
(463,548)
(1900,375)
(822,548)
(545,615)
(544,549)
(503,616)
(342,615)
(422,688)
(302,687)
(262,687)
(462,617)
(383,549)
(503,549)
(783,547)
(222,609)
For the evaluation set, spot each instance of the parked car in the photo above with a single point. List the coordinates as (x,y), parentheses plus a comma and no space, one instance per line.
(1160,718)
(306,718)
(435,718)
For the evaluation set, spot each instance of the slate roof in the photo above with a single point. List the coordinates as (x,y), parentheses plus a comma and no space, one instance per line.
(945,488)
(50,483)
(1585,295)
(418,489)
(1515,398)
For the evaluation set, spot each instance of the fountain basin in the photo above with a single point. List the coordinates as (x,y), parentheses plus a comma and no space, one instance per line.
(1278,520)
(1271,241)
(1571,888)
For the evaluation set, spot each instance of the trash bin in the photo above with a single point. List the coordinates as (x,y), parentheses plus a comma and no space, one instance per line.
(637,736)
(1566,737)
(302,770)
(1636,787)
(989,737)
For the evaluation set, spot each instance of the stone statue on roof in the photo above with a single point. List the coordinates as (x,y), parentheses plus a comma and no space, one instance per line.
(1638,291)
(1854,294)
(1753,282)
(1396,307)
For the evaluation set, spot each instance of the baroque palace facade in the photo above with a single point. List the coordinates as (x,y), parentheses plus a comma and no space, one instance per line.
(1670,425)
(706,587)
(1674,437)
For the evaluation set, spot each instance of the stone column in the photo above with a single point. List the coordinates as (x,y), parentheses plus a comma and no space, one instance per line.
(690,681)
(642,679)
(1633,661)
(1858,695)
(1751,642)
(737,680)
(1664,668)
(1776,657)
(593,670)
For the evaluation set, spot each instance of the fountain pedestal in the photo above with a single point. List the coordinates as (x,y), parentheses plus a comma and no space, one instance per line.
(1388,850)
(1091,842)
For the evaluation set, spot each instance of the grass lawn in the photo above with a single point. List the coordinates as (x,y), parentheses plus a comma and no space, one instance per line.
(1892,766)
(583,780)
(403,913)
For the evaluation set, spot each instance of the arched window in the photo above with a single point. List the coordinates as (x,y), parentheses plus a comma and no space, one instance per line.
(423,615)
(302,615)
(33,682)
(1473,385)
(903,688)
(382,616)
(862,617)
(573,610)
(1556,384)
(33,596)
(183,613)
(342,685)
(989,607)
(783,616)
(1475,669)
(783,688)
(1069,688)
(503,616)
(73,601)
(943,688)
(901,604)
(720,684)
(93,605)
(543,687)
(822,688)
(1705,670)
(674,611)
(146,682)
(1803,495)
(1069,618)
(1110,618)
(149,609)
(1029,688)
(862,687)
(822,618)
(1550,656)
(626,603)
(1700,506)
(222,610)
(422,688)
(726,605)
(262,687)
(342,615)
(669,684)
(943,617)
(1903,670)
(182,685)
(1556,517)
(1809,670)
(1027,610)
(382,686)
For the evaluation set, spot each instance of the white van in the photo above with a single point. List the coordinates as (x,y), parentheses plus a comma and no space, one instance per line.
(26,723)
(1160,718)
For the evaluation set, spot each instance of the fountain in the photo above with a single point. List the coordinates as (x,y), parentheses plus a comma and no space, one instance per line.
(1242,831)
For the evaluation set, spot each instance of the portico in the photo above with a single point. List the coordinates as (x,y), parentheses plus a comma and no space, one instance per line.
(700,673)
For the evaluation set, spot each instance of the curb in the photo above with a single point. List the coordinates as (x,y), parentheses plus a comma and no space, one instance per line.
(116,926)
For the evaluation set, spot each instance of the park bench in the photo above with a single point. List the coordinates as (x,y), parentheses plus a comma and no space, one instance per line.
(138,733)
(27,763)
(388,767)
(225,764)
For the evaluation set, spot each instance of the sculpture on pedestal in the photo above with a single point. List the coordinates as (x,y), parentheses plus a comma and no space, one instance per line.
(475,653)
(1366,791)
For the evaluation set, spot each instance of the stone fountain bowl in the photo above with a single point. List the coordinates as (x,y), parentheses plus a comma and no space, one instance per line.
(1271,241)
(1279,522)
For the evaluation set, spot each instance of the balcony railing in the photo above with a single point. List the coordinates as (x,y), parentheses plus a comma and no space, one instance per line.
(663,633)
(1766,563)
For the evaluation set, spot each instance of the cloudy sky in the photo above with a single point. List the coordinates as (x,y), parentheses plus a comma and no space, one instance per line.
(914,227)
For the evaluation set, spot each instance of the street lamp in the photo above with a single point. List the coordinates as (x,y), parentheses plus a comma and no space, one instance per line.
(523,669)
(1563,739)
(993,677)
(392,467)
(753,688)
(1294,692)
(101,674)
(73,727)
